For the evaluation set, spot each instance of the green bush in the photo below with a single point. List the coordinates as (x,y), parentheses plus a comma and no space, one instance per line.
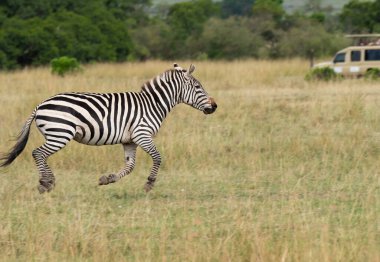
(322,74)
(372,74)
(64,65)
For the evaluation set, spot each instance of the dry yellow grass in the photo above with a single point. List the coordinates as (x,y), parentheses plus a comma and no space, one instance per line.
(285,170)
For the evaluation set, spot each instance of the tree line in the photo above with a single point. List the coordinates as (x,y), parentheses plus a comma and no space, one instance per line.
(34,32)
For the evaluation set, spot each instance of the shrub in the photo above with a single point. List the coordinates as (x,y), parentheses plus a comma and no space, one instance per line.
(322,74)
(372,74)
(64,64)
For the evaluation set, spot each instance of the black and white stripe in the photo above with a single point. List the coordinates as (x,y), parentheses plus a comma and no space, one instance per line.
(130,119)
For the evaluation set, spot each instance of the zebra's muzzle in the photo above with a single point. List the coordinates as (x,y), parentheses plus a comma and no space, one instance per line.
(212,108)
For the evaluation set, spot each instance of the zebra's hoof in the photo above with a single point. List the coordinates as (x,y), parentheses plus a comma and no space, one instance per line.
(45,186)
(103,181)
(148,187)
(42,189)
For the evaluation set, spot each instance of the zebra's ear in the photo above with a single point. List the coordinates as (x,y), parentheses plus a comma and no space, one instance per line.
(177,67)
(191,69)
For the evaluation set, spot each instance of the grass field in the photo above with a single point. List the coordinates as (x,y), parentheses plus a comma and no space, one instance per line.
(284,170)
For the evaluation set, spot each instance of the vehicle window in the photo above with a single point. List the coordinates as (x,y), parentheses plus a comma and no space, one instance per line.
(339,58)
(355,56)
(372,55)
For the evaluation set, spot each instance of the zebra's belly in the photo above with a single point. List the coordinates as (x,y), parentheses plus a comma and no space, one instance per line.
(106,138)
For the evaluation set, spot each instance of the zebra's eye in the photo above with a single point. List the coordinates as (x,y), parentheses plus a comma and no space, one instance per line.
(197,86)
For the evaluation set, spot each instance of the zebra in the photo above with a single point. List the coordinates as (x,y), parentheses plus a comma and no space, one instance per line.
(130,118)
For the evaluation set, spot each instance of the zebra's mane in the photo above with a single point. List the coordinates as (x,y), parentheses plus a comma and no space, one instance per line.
(163,76)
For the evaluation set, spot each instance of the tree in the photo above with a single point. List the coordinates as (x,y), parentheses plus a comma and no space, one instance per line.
(34,32)
(77,36)
(236,7)
(268,8)
(187,19)
(25,42)
(358,17)
(310,40)
(27,9)
(376,8)
(132,11)
(116,34)
(152,40)
(227,39)
(316,6)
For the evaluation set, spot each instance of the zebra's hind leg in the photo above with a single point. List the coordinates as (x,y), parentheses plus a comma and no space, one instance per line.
(40,155)
(130,159)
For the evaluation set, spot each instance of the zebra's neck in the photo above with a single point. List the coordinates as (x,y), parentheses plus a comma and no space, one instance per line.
(162,93)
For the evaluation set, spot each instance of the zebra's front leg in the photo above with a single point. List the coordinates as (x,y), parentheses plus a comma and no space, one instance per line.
(130,160)
(146,143)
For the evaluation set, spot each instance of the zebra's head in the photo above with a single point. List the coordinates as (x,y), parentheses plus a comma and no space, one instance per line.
(193,93)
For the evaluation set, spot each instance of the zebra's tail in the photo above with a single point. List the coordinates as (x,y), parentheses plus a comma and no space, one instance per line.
(22,139)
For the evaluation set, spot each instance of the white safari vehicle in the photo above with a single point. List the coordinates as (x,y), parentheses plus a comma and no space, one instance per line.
(355,61)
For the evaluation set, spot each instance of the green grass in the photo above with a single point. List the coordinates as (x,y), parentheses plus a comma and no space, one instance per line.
(285,170)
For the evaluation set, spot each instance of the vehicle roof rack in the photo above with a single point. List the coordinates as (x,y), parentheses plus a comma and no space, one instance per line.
(364,39)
